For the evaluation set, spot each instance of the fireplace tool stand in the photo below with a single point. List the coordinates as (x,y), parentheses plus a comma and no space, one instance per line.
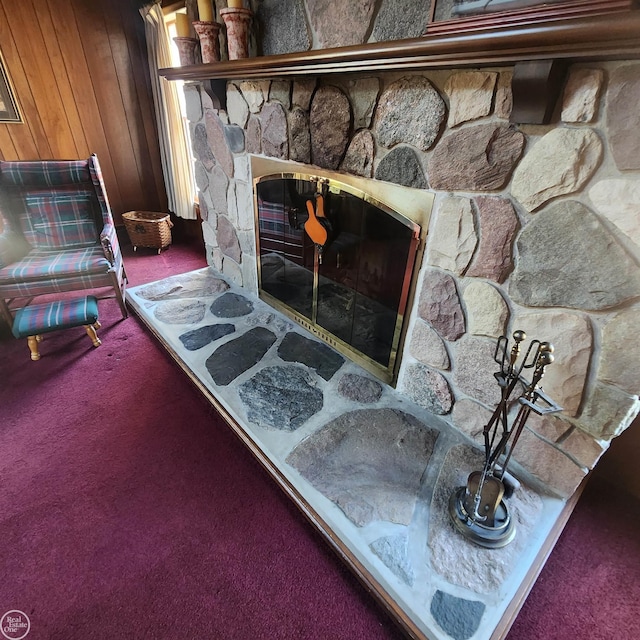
(479,510)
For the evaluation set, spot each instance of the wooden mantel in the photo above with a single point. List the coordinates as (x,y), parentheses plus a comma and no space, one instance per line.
(601,37)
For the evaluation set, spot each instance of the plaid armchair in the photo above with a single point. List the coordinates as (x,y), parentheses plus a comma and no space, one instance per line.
(56,232)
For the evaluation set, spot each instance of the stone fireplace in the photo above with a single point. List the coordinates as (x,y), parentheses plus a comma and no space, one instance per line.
(521,226)
(534,227)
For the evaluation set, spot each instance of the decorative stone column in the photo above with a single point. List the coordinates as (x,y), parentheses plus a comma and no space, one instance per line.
(209,43)
(186,50)
(237,23)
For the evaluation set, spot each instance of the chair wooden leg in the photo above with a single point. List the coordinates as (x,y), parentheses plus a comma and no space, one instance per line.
(91,332)
(32,341)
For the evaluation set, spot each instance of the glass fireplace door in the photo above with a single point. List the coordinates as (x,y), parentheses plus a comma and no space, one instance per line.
(353,290)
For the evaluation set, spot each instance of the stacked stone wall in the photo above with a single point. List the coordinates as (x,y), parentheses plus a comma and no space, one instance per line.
(534,227)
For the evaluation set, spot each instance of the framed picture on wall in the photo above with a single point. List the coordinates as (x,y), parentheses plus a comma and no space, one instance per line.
(467,15)
(9,111)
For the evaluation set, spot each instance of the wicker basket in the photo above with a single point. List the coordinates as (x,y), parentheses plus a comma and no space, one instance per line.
(148,229)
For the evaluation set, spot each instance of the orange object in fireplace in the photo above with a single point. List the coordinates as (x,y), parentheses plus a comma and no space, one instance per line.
(313,226)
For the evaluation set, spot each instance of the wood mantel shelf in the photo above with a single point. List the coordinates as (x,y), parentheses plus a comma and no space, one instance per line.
(614,36)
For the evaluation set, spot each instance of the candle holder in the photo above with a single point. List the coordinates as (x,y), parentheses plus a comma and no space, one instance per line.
(209,43)
(478,510)
(237,23)
(186,50)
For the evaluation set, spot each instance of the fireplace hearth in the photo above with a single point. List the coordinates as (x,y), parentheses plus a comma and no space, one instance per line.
(372,470)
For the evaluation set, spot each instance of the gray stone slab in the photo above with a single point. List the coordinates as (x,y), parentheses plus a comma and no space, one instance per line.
(392,550)
(299,135)
(201,149)
(410,110)
(281,397)
(369,462)
(283,26)
(620,356)
(217,142)
(359,156)
(231,305)
(623,116)
(302,92)
(202,336)
(402,166)
(188,285)
(473,370)
(200,174)
(340,24)
(316,355)
(274,131)
(254,135)
(218,187)
(180,311)
(233,358)
(600,274)
(363,93)
(458,617)
(280,90)
(427,346)
(329,121)
(399,19)
(234,136)
(359,389)
(427,388)
(204,207)
(228,239)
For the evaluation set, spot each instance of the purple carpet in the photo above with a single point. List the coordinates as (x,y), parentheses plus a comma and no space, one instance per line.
(128,509)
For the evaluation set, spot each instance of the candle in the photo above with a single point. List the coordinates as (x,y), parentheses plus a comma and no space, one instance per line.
(235,4)
(205,11)
(182,25)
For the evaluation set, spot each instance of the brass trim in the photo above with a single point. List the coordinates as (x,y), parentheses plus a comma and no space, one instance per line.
(383,373)
(389,373)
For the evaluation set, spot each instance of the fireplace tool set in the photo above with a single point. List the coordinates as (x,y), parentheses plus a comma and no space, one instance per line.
(479,510)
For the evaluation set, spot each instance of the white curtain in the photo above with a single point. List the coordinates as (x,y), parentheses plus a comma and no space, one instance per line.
(177,164)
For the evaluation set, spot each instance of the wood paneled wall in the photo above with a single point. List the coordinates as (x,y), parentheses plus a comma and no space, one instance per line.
(81,78)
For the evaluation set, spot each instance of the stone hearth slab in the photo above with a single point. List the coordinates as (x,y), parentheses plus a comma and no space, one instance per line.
(369,467)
